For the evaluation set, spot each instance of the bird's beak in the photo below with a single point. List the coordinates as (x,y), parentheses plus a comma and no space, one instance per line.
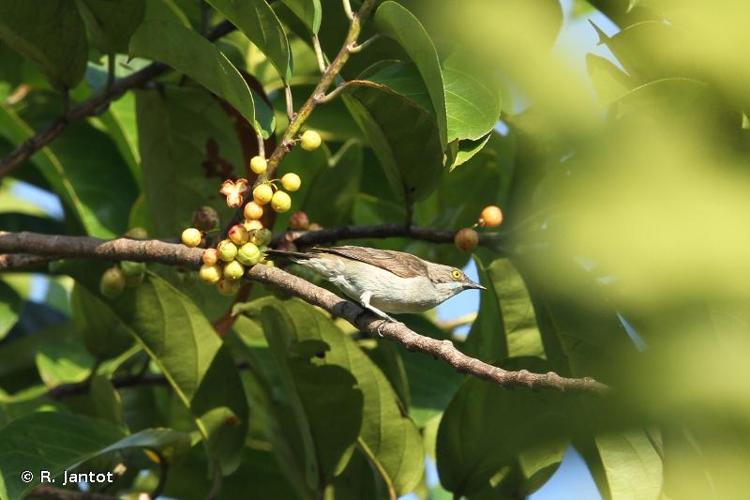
(471,284)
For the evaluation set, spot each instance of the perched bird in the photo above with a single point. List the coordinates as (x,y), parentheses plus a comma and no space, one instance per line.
(384,281)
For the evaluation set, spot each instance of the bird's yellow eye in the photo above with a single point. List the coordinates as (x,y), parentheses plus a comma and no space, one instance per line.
(456,274)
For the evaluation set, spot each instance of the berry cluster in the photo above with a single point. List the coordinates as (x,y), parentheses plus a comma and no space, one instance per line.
(467,238)
(245,243)
(125,274)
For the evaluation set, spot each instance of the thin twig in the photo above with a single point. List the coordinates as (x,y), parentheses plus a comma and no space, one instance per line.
(289,98)
(357,48)
(180,255)
(348,9)
(322,66)
(90,107)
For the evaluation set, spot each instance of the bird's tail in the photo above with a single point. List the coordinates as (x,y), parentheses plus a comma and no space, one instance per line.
(289,255)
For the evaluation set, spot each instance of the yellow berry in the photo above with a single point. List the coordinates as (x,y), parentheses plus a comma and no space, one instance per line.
(227,250)
(258,164)
(191,237)
(253,211)
(238,235)
(233,270)
(210,273)
(291,182)
(466,239)
(262,194)
(228,287)
(281,201)
(310,140)
(210,257)
(491,216)
(248,254)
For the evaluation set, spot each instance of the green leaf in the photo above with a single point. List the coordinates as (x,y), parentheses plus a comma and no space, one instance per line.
(57,442)
(119,121)
(323,398)
(103,334)
(332,191)
(50,33)
(188,146)
(487,337)
(75,177)
(404,137)
(188,52)
(467,149)
(632,467)
(111,23)
(396,22)
(388,437)
(309,12)
(257,20)
(472,100)
(480,436)
(63,360)
(506,325)
(106,402)
(432,383)
(10,308)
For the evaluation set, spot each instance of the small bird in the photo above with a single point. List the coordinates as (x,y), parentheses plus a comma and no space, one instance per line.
(384,281)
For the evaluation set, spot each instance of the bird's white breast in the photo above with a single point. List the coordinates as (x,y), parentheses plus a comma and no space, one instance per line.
(390,293)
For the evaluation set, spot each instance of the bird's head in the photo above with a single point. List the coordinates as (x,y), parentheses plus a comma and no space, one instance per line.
(450,281)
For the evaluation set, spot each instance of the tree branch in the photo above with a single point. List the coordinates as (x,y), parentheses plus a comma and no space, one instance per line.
(334,234)
(91,107)
(176,254)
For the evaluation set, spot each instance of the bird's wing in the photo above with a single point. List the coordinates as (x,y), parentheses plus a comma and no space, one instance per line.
(401,264)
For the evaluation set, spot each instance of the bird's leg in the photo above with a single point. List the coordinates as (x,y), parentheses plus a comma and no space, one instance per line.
(364,299)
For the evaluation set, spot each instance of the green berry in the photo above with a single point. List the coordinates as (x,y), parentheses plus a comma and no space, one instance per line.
(311,140)
(261,237)
(210,274)
(227,250)
(112,282)
(233,270)
(137,233)
(281,202)
(191,237)
(133,272)
(248,254)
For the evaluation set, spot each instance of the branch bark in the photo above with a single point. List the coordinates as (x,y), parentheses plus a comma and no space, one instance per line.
(334,234)
(91,107)
(176,254)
